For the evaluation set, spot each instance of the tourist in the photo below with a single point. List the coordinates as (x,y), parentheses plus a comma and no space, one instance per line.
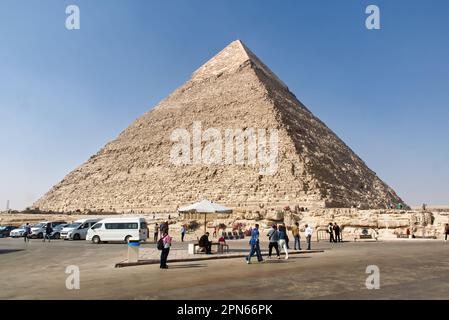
(204,243)
(296,236)
(183,232)
(308,233)
(446,231)
(283,240)
(166,240)
(221,244)
(48,231)
(273,236)
(254,244)
(164,227)
(337,231)
(156,232)
(330,230)
(27,233)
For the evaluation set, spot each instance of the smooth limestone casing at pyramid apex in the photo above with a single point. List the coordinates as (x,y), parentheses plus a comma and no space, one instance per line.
(133,173)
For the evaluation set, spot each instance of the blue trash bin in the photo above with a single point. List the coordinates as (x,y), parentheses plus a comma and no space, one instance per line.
(133,250)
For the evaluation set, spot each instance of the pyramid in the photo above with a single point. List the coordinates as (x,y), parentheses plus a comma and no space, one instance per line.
(233,90)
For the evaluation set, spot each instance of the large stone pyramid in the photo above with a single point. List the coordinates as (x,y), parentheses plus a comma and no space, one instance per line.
(134,173)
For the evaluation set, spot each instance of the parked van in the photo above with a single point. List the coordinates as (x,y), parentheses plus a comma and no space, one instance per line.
(78,229)
(118,229)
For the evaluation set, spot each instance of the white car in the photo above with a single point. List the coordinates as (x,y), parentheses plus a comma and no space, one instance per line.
(38,230)
(19,232)
(118,229)
(78,229)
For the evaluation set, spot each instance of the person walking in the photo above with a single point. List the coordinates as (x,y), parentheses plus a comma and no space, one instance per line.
(183,232)
(27,233)
(283,240)
(273,236)
(166,241)
(446,231)
(156,232)
(337,231)
(163,227)
(308,233)
(296,236)
(254,245)
(330,230)
(48,231)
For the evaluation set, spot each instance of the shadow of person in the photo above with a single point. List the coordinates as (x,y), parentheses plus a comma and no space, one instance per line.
(3,251)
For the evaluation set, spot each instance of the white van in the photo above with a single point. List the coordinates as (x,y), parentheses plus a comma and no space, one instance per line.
(118,229)
(78,229)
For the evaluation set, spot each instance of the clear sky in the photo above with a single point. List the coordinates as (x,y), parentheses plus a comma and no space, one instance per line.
(65,94)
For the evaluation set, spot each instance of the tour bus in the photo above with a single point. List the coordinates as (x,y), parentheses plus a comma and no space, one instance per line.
(118,229)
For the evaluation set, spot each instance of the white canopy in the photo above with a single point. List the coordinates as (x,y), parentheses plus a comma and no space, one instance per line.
(205,206)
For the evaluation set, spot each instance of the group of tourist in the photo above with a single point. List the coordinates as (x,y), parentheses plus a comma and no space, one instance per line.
(45,236)
(334,231)
(277,240)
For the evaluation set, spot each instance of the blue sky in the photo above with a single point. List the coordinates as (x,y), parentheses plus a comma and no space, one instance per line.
(64,94)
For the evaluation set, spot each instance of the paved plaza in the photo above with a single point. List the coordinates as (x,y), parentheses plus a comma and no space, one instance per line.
(409,269)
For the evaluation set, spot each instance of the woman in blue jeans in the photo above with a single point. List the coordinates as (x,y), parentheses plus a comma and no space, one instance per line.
(255,247)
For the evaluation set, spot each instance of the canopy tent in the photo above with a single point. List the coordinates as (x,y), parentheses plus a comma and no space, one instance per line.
(205,207)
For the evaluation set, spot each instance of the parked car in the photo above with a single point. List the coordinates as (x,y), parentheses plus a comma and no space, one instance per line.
(118,229)
(78,229)
(19,232)
(6,230)
(56,234)
(38,230)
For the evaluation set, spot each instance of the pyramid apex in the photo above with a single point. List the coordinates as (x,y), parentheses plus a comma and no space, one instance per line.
(229,60)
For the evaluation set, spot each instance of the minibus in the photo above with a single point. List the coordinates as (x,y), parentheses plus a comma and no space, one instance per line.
(118,229)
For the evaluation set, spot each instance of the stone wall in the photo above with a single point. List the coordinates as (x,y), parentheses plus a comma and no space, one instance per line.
(385,224)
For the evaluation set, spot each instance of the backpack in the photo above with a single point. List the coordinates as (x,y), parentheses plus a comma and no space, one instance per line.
(160,244)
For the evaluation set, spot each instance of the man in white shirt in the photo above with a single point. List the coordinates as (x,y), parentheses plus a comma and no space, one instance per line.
(308,233)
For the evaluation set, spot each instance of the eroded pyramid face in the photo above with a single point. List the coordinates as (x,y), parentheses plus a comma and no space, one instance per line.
(233,133)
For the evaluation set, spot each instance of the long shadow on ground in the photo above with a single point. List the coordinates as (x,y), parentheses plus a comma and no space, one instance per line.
(183,266)
(3,251)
